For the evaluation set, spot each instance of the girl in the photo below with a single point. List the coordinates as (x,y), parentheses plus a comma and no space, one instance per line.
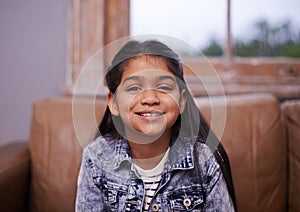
(154,151)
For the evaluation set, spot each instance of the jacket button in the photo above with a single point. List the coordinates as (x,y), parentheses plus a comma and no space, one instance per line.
(187,202)
(155,207)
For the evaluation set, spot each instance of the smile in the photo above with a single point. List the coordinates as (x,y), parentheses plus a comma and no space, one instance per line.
(150,114)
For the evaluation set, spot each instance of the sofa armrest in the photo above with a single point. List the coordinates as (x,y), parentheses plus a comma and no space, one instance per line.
(14,176)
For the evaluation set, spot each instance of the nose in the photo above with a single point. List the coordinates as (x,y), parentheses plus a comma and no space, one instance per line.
(150,97)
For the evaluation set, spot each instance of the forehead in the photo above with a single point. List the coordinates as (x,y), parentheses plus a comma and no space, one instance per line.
(138,65)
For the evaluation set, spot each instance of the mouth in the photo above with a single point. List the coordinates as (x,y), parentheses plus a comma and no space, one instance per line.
(150,114)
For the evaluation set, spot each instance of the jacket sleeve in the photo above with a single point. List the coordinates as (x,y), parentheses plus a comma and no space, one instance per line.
(89,197)
(217,195)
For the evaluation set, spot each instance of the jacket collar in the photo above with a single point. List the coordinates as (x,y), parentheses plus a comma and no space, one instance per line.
(180,156)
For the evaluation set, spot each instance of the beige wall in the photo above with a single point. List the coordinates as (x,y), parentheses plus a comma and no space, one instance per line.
(33,55)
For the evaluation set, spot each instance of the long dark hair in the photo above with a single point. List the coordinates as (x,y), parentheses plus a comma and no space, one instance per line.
(190,122)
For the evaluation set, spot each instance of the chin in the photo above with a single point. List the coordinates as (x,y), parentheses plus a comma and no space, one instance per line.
(144,136)
(156,131)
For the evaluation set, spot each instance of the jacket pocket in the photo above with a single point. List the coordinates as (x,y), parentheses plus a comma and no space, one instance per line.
(113,195)
(186,199)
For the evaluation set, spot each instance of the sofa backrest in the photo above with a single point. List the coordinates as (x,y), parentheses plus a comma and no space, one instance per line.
(56,149)
(254,138)
(291,111)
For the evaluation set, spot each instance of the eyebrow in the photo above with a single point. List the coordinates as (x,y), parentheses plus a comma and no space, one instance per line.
(131,78)
(167,77)
(163,77)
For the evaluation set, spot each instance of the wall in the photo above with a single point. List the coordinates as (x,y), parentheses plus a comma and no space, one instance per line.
(33,60)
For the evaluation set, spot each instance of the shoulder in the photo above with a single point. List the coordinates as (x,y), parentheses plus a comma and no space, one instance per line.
(95,145)
(99,149)
(205,157)
(202,150)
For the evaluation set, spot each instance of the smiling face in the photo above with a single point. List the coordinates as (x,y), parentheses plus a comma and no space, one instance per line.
(148,99)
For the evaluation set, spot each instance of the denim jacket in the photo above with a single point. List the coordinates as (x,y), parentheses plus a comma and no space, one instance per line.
(108,181)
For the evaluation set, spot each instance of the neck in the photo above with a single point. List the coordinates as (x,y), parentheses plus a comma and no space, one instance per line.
(148,155)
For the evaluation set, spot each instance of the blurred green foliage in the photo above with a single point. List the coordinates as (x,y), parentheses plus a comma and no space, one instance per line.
(214,49)
(280,40)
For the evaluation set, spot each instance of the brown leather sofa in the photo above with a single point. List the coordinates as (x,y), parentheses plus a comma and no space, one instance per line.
(260,135)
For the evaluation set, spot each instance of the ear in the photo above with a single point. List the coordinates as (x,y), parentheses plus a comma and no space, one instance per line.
(182,101)
(111,102)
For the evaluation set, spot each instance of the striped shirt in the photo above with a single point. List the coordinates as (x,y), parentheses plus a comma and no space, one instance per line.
(151,179)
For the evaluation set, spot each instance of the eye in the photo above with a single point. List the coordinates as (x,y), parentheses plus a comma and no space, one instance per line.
(134,88)
(166,87)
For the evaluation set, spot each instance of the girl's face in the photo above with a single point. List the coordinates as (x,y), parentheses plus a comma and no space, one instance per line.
(148,99)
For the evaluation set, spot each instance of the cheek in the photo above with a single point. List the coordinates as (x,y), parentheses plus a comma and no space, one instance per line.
(125,103)
(173,101)
(124,100)
(178,106)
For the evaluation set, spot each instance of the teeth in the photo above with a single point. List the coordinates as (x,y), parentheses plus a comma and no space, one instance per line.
(150,114)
